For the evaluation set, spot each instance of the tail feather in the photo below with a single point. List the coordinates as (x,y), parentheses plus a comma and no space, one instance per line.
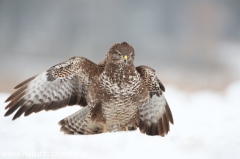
(155,117)
(80,123)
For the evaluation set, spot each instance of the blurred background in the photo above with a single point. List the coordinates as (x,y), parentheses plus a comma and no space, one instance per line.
(193,45)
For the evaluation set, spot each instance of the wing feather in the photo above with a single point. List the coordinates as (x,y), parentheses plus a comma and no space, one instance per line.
(152,82)
(59,86)
(156,115)
(17,93)
(24,82)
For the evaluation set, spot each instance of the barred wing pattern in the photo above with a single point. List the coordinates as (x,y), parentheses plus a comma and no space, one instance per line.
(61,85)
(156,115)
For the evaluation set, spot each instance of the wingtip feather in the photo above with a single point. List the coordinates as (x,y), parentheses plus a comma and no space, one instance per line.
(24,82)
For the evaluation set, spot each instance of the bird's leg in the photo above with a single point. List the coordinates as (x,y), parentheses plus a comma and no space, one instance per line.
(126,127)
(104,128)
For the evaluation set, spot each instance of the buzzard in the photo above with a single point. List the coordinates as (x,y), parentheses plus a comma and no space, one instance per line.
(115,95)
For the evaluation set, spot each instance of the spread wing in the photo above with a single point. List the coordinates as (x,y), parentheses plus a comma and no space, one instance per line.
(61,85)
(154,117)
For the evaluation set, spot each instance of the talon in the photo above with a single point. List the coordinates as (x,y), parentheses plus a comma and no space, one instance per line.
(126,128)
(104,128)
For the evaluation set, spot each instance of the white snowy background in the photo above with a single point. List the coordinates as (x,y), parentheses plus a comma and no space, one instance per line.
(206,125)
(194,45)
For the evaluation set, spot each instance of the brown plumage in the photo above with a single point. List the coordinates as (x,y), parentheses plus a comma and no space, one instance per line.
(115,95)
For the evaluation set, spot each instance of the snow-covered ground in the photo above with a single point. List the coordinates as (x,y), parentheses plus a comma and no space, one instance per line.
(207,125)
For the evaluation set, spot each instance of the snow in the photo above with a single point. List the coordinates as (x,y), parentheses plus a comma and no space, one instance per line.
(207,125)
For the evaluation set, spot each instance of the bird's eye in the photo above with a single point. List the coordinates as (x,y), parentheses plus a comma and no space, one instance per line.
(118,52)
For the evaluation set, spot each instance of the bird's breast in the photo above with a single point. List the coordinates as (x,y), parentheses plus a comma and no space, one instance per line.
(122,97)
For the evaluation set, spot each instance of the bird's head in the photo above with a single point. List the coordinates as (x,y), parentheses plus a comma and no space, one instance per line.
(121,53)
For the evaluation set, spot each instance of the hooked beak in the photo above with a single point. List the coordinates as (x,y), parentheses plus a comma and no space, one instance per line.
(125,57)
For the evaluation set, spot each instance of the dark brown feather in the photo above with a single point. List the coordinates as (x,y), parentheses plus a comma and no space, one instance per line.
(148,130)
(63,122)
(165,124)
(160,128)
(15,101)
(24,82)
(169,114)
(83,102)
(20,111)
(161,85)
(142,127)
(17,93)
(53,106)
(31,109)
(154,129)
(14,107)
(66,130)
(97,113)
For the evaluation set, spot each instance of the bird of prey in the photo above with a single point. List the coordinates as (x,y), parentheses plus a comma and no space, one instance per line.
(115,95)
